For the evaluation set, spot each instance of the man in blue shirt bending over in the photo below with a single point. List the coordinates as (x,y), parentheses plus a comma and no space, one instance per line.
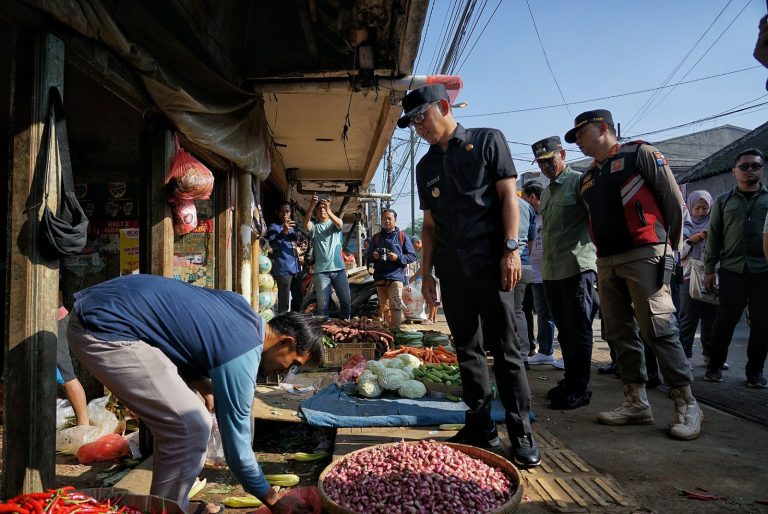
(147,337)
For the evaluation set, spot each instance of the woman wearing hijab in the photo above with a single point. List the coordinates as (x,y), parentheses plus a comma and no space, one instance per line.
(692,311)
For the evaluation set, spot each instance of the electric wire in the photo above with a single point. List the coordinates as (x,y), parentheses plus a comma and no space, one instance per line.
(546,58)
(666,80)
(478,37)
(629,93)
(650,108)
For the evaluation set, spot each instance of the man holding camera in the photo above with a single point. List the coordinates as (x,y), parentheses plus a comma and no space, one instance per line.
(390,251)
(636,213)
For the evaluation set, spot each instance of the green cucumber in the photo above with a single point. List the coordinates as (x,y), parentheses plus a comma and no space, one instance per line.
(453,398)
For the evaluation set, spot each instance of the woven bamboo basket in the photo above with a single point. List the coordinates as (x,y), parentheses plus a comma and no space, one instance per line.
(487,457)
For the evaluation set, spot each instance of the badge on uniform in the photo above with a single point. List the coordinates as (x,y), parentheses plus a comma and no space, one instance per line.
(433,181)
(469,147)
(435,192)
(617,165)
(660,160)
(587,184)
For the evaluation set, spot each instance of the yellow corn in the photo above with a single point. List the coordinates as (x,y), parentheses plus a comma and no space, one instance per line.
(309,457)
(239,502)
(284,480)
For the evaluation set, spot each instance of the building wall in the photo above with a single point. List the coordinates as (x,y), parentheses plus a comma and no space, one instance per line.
(716,185)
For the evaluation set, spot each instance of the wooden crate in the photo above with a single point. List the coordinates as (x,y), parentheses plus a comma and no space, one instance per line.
(336,357)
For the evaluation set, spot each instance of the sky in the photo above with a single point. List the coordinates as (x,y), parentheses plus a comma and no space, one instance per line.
(595,49)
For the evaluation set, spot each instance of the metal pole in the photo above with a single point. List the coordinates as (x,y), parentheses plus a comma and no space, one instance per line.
(413,182)
(389,172)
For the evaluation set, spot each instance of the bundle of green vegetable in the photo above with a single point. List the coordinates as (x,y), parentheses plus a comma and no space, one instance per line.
(447,374)
(408,338)
(433,339)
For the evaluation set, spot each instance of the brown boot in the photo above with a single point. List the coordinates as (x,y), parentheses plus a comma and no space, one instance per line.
(634,411)
(688,415)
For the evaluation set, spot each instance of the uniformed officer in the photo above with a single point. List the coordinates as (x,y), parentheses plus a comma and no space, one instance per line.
(568,270)
(635,214)
(466,184)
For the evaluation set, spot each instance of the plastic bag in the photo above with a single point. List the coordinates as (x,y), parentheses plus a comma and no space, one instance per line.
(351,369)
(310,495)
(133,443)
(184,215)
(70,440)
(413,301)
(215,456)
(696,286)
(106,447)
(99,416)
(65,414)
(188,178)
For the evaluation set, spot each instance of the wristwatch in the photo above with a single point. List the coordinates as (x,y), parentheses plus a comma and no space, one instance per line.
(511,244)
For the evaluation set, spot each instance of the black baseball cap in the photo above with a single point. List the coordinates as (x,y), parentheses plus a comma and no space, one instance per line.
(596,116)
(546,148)
(419,100)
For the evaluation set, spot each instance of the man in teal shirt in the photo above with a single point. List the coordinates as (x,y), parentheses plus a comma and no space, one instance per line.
(569,271)
(329,263)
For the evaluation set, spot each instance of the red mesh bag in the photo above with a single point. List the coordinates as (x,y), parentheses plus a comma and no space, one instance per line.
(310,495)
(188,178)
(184,216)
(107,447)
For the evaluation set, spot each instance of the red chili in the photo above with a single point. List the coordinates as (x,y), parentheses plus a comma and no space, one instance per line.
(13,508)
(37,505)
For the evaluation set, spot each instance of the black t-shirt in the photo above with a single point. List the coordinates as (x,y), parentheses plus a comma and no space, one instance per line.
(458,187)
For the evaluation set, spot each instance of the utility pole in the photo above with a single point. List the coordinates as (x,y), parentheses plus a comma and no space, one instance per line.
(413,182)
(389,172)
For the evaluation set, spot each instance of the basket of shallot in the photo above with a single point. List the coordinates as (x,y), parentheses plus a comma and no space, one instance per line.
(420,477)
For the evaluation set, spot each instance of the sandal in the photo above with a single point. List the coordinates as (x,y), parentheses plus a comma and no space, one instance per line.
(203,506)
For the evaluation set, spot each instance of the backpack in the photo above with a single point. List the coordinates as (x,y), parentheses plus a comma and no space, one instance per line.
(375,239)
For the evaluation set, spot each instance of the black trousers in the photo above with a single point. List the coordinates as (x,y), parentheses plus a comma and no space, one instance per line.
(572,304)
(738,290)
(289,286)
(482,317)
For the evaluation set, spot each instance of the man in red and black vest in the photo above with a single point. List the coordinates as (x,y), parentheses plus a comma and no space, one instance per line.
(636,213)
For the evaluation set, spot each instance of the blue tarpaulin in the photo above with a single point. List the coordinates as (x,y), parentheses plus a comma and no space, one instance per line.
(332,407)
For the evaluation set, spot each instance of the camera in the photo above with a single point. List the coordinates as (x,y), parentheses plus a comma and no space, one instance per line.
(383,253)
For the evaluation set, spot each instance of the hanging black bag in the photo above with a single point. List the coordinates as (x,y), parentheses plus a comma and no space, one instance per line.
(64,232)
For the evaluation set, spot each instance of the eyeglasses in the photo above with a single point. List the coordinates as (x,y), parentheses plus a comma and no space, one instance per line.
(418,119)
(753,166)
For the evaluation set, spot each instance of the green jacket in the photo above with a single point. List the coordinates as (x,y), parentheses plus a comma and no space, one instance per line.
(732,214)
(568,248)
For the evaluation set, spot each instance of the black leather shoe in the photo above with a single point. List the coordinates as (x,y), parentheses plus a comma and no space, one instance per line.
(525,451)
(557,391)
(607,369)
(572,400)
(488,438)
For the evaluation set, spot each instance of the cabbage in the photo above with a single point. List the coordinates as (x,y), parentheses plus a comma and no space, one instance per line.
(376,367)
(412,389)
(369,388)
(366,375)
(409,360)
(392,379)
(409,370)
(393,363)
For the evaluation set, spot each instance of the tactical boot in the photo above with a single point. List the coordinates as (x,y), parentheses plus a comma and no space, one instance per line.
(688,415)
(634,411)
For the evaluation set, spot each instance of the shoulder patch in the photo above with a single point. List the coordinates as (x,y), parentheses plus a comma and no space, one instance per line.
(617,165)
(660,160)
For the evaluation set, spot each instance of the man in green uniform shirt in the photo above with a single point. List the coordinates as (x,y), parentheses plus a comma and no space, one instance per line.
(568,270)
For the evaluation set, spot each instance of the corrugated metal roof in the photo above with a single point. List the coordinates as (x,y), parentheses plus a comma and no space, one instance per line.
(722,160)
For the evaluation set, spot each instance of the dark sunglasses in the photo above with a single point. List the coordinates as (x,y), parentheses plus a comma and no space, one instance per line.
(753,166)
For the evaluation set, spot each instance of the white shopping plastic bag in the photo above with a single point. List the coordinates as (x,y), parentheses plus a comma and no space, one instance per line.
(413,302)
